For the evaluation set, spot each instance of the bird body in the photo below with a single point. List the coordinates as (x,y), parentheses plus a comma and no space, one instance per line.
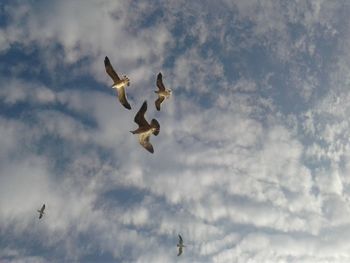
(121,84)
(145,131)
(163,93)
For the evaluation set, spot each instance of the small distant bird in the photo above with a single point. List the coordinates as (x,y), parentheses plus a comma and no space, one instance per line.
(119,84)
(180,245)
(41,211)
(163,93)
(145,129)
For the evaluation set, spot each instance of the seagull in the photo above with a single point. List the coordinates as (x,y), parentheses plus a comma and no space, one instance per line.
(119,84)
(145,129)
(163,93)
(180,245)
(41,211)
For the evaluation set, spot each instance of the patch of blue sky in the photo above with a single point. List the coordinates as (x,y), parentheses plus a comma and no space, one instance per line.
(123,195)
(29,245)
(4,17)
(31,70)
(61,76)
(99,256)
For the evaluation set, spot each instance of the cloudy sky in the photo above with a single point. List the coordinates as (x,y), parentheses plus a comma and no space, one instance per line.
(252,163)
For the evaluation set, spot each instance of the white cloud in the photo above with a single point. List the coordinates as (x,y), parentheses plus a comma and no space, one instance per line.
(17,91)
(237,174)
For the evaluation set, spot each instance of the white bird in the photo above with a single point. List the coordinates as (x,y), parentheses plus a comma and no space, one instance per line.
(118,84)
(180,245)
(163,93)
(145,129)
(41,211)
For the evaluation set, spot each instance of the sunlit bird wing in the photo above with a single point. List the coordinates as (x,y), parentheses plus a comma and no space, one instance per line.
(158,102)
(110,71)
(122,98)
(146,144)
(160,84)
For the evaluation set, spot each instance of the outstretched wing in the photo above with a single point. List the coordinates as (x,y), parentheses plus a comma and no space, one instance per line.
(122,98)
(155,124)
(160,84)
(43,208)
(158,102)
(180,240)
(41,215)
(180,251)
(144,141)
(110,70)
(140,115)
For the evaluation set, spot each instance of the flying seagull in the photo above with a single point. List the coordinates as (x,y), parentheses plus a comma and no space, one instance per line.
(180,245)
(41,211)
(163,93)
(119,84)
(145,129)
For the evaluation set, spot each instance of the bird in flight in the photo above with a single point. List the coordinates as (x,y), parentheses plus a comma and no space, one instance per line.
(163,93)
(119,84)
(41,211)
(180,245)
(145,129)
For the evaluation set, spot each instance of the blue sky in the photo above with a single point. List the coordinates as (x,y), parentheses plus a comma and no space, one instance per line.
(252,161)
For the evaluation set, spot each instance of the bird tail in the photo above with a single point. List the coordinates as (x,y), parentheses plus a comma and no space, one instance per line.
(155,124)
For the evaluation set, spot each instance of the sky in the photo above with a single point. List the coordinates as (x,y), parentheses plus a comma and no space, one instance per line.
(252,162)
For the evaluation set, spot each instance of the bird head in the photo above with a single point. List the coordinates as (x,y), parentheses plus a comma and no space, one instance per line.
(127,80)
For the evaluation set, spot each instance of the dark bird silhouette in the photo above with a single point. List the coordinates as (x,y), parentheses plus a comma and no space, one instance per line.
(180,245)
(41,211)
(119,84)
(163,93)
(145,129)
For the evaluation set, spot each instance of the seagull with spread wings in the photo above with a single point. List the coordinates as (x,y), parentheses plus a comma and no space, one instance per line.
(41,211)
(145,129)
(163,93)
(118,83)
(180,245)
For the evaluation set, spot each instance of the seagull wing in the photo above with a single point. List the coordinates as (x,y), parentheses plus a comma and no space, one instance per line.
(144,141)
(155,124)
(158,102)
(110,70)
(180,240)
(122,98)
(40,216)
(140,115)
(43,208)
(160,84)
(180,251)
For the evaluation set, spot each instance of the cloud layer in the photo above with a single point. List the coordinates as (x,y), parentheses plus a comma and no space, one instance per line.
(252,161)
